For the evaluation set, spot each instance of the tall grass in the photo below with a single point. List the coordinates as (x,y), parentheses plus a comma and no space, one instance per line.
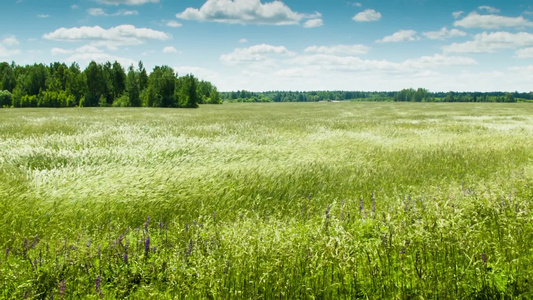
(263,201)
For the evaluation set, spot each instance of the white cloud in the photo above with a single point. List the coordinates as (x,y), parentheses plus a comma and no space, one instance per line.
(525,53)
(457,14)
(339,49)
(358,4)
(111,38)
(5,52)
(400,36)
(85,58)
(74,6)
(438,60)
(245,12)
(102,12)
(490,42)
(198,72)
(96,12)
(314,23)
(87,53)
(43,16)
(444,33)
(327,62)
(243,41)
(5,45)
(173,24)
(169,50)
(127,2)
(489,9)
(475,20)
(253,54)
(368,15)
(10,41)
(82,49)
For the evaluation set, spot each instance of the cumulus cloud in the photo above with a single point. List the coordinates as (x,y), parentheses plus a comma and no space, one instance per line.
(314,23)
(200,73)
(245,12)
(10,41)
(6,44)
(489,9)
(444,33)
(173,24)
(82,49)
(475,20)
(102,12)
(368,15)
(490,42)
(127,2)
(242,41)
(457,14)
(253,54)
(330,62)
(85,54)
(111,38)
(170,50)
(400,36)
(339,49)
(525,53)
(43,16)
(5,52)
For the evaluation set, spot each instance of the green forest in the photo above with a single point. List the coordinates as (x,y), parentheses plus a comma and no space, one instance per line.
(107,84)
(110,84)
(408,95)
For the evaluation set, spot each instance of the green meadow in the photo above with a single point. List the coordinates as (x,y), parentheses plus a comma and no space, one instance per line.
(268,201)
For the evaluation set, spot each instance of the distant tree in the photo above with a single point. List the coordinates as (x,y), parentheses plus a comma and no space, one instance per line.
(132,87)
(96,84)
(5,98)
(118,80)
(143,77)
(188,95)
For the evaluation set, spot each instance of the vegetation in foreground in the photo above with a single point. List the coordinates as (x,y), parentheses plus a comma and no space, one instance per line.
(262,201)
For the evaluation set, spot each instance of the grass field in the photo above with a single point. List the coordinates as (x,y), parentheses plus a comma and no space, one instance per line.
(268,201)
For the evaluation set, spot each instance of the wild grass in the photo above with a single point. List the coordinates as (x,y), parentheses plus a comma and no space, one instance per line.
(264,201)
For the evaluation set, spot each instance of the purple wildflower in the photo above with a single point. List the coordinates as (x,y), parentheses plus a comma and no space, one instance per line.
(189,250)
(126,260)
(120,238)
(62,288)
(146,223)
(484,258)
(147,246)
(373,203)
(7,252)
(98,287)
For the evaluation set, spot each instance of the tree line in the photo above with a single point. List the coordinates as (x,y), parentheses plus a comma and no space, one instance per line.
(407,95)
(107,84)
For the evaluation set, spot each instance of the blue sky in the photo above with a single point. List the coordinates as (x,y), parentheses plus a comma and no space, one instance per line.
(262,45)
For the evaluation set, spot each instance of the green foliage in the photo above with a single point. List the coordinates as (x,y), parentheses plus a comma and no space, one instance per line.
(5,98)
(188,94)
(264,201)
(122,101)
(405,95)
(58,85)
